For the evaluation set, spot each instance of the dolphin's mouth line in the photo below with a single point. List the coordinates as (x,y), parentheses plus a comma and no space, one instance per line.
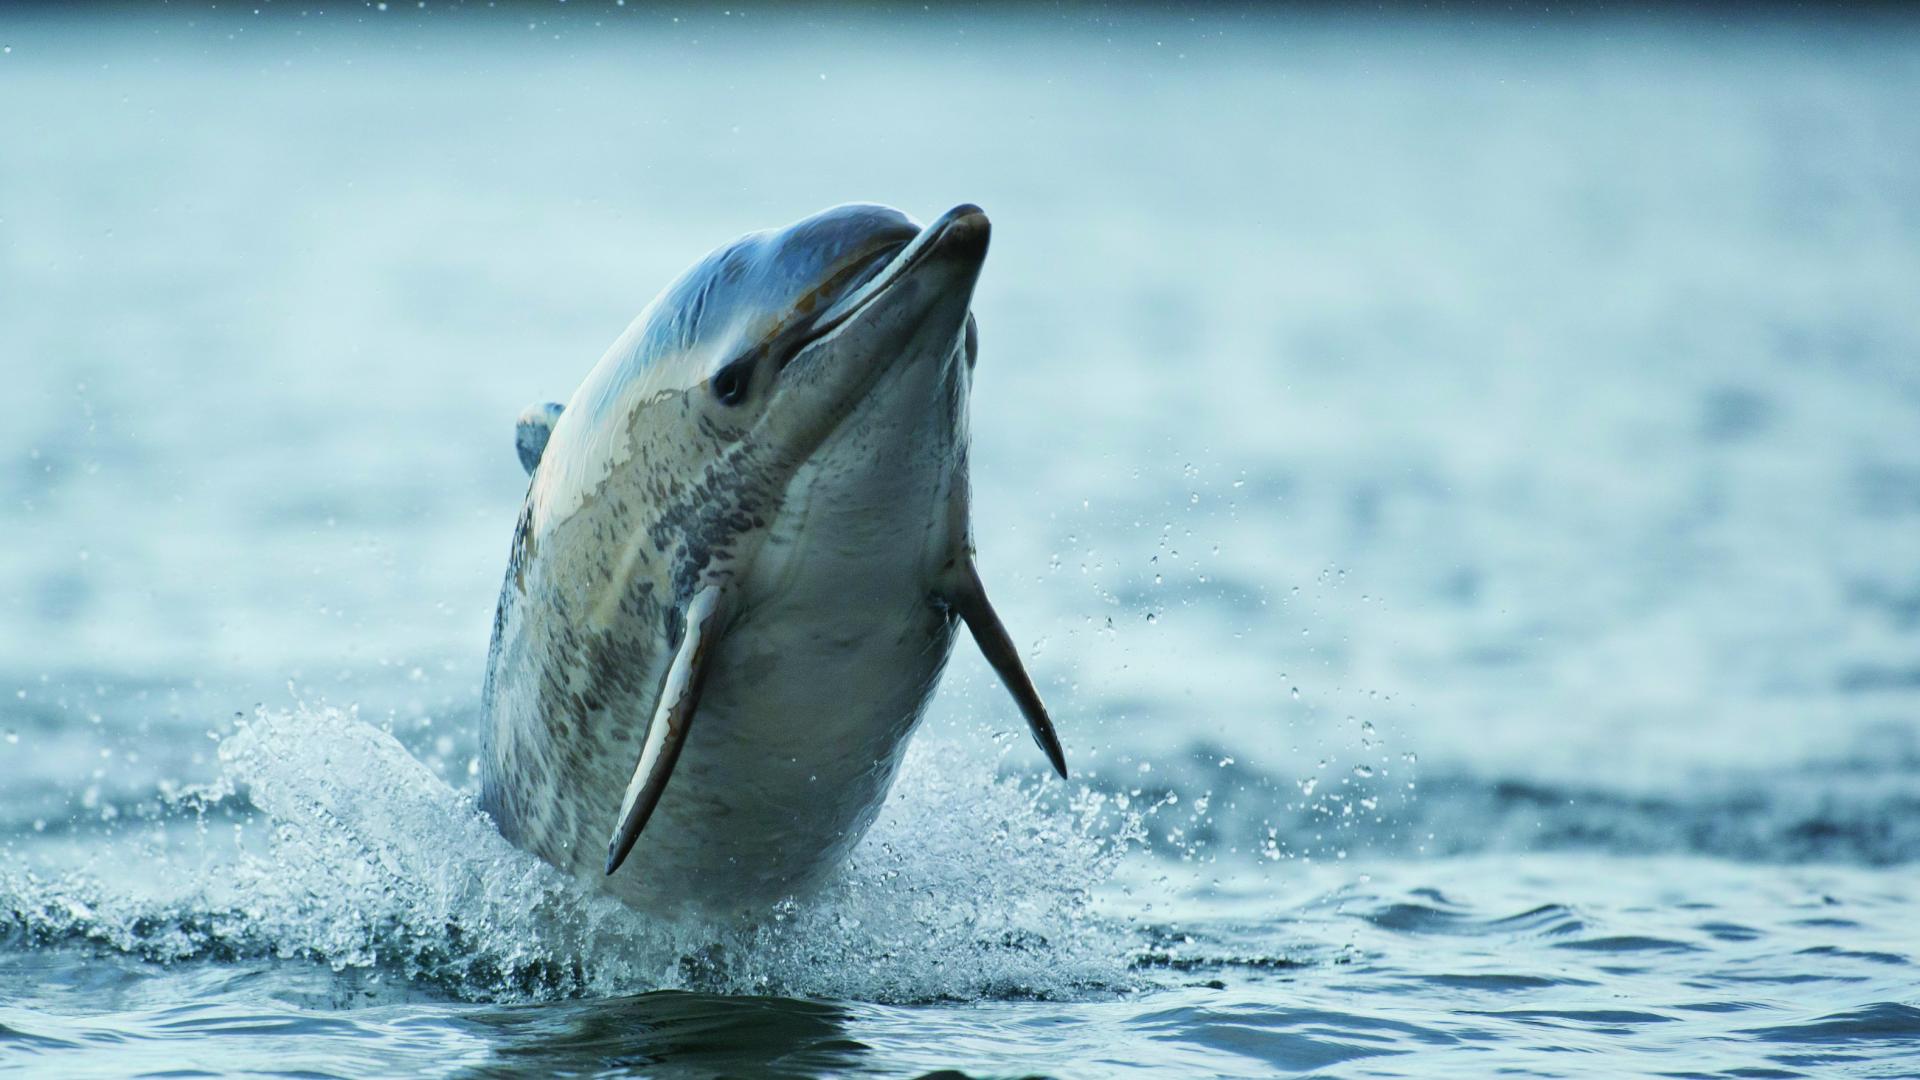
(856,280)
(883,270)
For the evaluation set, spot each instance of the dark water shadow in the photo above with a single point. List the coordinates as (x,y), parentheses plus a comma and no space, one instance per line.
(671,1034)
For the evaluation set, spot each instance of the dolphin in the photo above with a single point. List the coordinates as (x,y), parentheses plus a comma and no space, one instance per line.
(744,553)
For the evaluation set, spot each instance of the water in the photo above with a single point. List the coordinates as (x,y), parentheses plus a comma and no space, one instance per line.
(1457,485)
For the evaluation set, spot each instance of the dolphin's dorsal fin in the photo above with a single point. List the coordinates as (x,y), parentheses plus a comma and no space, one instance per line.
(667,732)
(963,593)
(533,429)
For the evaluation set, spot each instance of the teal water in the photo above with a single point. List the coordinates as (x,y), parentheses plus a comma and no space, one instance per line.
(1457,483)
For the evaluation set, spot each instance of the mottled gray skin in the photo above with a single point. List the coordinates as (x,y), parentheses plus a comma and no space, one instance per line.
(826,506)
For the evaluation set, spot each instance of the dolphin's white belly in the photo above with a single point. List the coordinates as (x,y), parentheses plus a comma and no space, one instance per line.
(791,753)
(814,688)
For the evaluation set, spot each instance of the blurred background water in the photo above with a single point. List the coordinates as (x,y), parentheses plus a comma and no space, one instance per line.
(1457,481)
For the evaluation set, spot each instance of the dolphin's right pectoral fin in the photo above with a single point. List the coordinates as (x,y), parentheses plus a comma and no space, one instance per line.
(533,429)
(671,718)
(967,597)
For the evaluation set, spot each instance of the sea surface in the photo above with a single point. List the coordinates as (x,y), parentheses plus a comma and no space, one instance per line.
(1456,480)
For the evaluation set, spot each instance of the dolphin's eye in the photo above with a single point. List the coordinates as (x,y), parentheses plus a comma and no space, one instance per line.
(731,382)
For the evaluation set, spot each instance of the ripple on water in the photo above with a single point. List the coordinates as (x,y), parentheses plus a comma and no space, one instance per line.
(1499,984)
(1546,920)
(1894,959)
(1881,1022)
(1290,1039)
(1627,943)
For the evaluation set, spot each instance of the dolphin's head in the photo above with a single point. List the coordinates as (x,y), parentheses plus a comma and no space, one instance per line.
(774,340)
(780,334)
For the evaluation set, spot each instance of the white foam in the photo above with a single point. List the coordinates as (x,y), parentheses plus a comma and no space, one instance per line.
(967,887)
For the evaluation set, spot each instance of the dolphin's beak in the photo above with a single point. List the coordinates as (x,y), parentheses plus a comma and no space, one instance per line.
(961,232)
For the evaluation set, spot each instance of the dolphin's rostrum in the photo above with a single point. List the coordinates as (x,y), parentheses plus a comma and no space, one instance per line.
(738,572)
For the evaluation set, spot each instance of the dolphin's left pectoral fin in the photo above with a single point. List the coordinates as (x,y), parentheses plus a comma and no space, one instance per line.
(963,592)
(667,733)
(532,430)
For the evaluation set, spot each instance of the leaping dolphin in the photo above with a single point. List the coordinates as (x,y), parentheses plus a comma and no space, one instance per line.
(738,572)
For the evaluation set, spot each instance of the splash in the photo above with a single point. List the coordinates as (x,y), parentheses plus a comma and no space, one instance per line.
(356,855)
